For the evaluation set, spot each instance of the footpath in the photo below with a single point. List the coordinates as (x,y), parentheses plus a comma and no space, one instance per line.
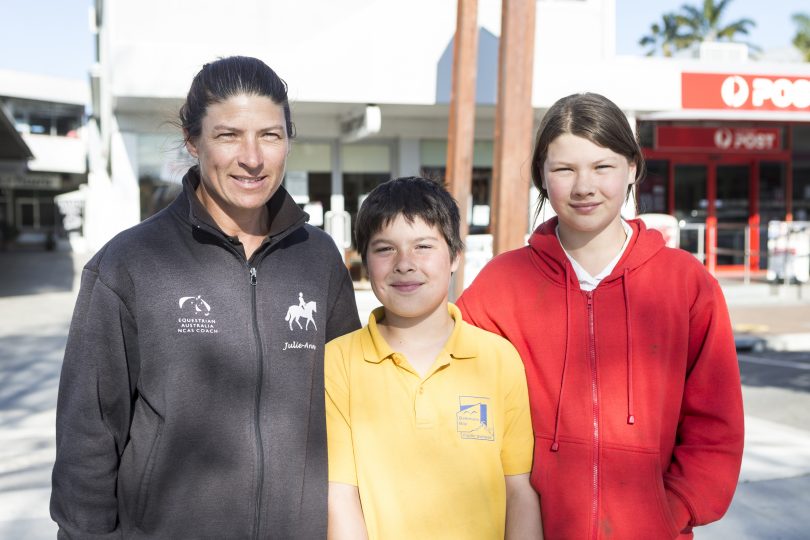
(37,292)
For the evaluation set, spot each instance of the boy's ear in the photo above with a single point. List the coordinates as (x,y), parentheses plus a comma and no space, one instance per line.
(454,263)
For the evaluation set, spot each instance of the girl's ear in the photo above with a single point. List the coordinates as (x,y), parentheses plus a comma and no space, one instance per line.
(631,174)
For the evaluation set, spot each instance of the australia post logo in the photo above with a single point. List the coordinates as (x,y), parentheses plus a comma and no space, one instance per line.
(744,92)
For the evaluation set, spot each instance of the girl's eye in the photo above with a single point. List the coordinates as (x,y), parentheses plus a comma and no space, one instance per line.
(561,169)
(424,246)
(604,166)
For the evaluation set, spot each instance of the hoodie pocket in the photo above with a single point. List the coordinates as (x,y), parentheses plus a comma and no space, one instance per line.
(633,500)
(139,458)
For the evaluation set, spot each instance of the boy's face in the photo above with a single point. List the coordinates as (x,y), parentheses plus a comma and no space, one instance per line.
(409,266)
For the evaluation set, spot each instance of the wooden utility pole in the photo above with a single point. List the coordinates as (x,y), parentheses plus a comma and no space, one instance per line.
(461,128)
(514,121)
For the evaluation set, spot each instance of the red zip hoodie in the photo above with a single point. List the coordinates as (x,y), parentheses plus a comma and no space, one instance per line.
(634,386)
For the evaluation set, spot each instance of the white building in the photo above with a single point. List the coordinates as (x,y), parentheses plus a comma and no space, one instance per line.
(43,152)
(746,123)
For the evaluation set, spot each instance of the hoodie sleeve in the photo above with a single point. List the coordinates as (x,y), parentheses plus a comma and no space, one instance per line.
(703,474)
(343,317)
(92,414)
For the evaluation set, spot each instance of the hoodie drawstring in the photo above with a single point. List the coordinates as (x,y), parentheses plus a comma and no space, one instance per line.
(555,445)
(631,419)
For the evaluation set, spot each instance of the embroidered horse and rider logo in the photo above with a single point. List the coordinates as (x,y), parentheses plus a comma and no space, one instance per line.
(303,310)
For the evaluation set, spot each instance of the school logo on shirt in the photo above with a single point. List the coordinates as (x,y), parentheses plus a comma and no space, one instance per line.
(473,420)
(195,316)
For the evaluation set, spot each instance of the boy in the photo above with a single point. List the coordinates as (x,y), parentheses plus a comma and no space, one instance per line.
(427,417)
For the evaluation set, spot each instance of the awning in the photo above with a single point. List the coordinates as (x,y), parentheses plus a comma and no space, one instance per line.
(12,145)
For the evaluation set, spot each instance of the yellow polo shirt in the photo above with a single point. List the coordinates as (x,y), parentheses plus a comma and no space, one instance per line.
(428,454)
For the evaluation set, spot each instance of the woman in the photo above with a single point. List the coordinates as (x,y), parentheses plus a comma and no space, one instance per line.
(629,355)
(188,406)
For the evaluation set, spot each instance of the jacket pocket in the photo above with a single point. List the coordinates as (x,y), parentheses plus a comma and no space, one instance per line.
(138,460)
(633,500)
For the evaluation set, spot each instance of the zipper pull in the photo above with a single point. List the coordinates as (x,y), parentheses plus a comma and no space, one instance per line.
(253,276)
(589,296)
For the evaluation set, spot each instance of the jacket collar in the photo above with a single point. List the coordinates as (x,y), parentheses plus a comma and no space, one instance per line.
(285,214)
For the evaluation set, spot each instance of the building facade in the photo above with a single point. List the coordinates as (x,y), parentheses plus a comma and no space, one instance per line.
(43,155)
(369,83)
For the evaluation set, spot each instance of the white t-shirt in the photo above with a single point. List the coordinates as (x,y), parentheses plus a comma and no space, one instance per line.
(587,282)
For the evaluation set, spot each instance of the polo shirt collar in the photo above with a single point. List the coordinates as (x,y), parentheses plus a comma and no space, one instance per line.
(459,346)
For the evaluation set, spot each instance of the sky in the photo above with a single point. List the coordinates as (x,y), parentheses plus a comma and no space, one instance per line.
(52,37)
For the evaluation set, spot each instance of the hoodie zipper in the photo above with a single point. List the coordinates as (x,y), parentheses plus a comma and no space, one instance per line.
(595,401)
(257,425)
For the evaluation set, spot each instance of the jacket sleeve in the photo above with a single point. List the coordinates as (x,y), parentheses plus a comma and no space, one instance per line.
(343,316)
(92,414)
(703,474)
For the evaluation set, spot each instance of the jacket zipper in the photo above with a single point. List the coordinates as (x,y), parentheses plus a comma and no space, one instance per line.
(256,425)
(595,401)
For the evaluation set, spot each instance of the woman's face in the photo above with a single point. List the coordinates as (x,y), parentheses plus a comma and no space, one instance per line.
(242,150)
(586,184)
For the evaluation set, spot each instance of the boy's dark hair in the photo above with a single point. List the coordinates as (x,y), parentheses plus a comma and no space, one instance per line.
(227,77)
(412,197)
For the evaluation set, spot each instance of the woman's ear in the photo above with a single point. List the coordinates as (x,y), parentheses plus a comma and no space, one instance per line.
(190,146)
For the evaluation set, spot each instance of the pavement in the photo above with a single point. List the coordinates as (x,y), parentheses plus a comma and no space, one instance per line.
(38,289)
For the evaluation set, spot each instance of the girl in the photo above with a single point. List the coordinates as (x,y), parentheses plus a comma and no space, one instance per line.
(629,354)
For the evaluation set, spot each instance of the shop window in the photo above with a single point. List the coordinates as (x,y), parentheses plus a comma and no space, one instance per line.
(652,192)
(365,166)
(801,191)
(40,124)
(313,161)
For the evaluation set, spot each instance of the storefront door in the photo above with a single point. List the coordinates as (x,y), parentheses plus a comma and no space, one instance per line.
(724,206)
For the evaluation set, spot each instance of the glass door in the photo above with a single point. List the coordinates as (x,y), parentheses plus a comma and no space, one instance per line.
(691,206)
(732,207)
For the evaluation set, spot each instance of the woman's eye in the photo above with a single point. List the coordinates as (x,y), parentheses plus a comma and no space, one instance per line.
(272,135)
(225,135)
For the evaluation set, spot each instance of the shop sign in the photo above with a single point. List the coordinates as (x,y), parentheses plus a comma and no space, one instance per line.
(30,181)
(745,92)
(718,139)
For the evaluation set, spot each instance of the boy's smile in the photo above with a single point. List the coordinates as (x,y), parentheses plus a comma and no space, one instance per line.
(409,266)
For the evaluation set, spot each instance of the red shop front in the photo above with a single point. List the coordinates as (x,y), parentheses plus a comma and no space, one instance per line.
(726,175)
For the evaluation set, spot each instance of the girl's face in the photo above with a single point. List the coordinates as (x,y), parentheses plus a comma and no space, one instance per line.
(586,184)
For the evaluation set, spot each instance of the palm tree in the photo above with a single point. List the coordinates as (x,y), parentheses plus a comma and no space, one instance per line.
(705,24)
(802,38)
(663,36)
(691,26)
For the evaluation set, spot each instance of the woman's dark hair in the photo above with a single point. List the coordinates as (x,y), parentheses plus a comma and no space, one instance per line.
(227,77)
(412,197)
(590,116)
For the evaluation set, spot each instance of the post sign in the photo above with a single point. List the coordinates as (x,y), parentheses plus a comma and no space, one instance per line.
(731,91)
(718,139)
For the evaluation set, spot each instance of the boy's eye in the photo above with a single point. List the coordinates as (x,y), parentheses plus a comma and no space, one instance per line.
(604,166)
(561,169)
(383,249)
(424,246)
(272,135)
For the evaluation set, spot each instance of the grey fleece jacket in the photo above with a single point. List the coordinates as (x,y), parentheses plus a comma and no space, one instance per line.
(191,400)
